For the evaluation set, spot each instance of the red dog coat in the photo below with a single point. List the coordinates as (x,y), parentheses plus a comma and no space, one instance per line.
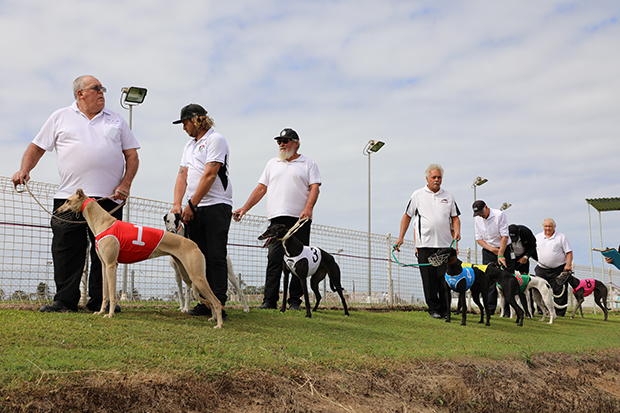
(136,243)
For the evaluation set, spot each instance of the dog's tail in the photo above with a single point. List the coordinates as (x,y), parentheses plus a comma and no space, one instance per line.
(559,295)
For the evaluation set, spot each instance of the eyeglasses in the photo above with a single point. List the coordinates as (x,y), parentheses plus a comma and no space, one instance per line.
(97,88)
(283,141)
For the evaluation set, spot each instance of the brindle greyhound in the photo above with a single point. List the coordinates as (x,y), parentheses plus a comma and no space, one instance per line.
(583,288)
(479,286)
(187,254)
(305,262)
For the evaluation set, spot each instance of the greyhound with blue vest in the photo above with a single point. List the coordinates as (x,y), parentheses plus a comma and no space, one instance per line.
(460,278)
(305,262)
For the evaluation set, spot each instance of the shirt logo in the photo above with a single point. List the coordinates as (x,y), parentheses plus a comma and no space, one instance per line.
(201,148)
(444,201)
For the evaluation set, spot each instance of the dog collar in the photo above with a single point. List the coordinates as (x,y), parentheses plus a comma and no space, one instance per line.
(86,201)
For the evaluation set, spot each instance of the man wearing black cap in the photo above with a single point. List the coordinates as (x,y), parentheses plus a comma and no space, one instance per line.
(524,247)
(491,232)
(203,179)
(291,182)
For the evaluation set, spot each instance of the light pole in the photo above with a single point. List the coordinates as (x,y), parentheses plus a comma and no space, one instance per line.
(371,146)
(130,97)
(477,182)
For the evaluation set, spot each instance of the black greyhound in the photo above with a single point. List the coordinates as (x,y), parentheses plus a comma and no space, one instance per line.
(509,286)
(479,286)
(305,262)
(579,290)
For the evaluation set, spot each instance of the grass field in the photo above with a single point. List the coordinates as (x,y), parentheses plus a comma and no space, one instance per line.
(56,350)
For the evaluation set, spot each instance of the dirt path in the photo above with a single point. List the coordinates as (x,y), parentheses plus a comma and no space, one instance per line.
(549,383)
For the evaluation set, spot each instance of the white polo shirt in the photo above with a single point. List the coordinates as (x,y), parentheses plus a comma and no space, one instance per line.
(492,229)
(288,185)
(552,251)
(432,213)
(90,151)
(212,147)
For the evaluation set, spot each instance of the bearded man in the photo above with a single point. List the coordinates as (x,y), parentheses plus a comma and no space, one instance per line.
(291,182)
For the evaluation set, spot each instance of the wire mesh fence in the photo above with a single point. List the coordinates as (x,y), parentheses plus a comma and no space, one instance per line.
(370,276)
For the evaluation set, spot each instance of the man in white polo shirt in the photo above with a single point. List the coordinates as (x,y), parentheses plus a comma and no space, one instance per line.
(203,180)
(291,182)
(436,225)
(554,256)
(492,234)
(98,153)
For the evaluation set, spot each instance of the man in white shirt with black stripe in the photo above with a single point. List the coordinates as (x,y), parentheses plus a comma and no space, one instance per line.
(436,225)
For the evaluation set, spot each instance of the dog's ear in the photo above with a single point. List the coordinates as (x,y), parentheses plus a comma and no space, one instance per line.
(177,219)
(80,193)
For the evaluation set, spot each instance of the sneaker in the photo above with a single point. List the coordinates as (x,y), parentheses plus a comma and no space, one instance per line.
(294,307)
(200,309)
(267,306)
(56,307)
(435,315)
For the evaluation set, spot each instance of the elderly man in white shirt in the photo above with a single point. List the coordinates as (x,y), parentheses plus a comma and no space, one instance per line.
(554,256)
(491,232)
(436,225)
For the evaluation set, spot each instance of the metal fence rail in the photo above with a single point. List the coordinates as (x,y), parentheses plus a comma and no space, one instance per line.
(26,271)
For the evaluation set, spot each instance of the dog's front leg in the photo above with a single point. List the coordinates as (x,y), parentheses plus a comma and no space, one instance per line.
(286,272)
(448,299)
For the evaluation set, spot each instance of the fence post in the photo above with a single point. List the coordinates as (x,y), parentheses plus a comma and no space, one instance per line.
(389,271)
(126,218)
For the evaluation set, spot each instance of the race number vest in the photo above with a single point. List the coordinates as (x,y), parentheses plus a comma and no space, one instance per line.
(312,254)
(467,274)
(136,243)
(587,285)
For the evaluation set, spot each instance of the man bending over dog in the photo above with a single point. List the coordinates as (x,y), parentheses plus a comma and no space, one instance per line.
(291,182)
(203,179)
(436,225)
(491,232)
(98,153)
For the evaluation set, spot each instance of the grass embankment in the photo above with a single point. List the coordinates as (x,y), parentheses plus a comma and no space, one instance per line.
(37,347)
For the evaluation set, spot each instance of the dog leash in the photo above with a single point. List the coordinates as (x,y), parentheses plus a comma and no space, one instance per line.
(62,219)
(438,262)
(295,227)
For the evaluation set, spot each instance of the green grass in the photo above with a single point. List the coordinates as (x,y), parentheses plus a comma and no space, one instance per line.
(36,346)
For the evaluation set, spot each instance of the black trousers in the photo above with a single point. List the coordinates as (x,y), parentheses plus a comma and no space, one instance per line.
(275,259)
(433,282)
(551,275)
(209,230)
(69,243)
(489,257)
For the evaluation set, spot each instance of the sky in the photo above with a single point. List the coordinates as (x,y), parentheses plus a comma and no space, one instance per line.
(522,93)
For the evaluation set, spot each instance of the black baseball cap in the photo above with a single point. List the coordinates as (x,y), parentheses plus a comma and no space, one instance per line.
(189,111)
(513,231)
(478,207)
(288,133)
